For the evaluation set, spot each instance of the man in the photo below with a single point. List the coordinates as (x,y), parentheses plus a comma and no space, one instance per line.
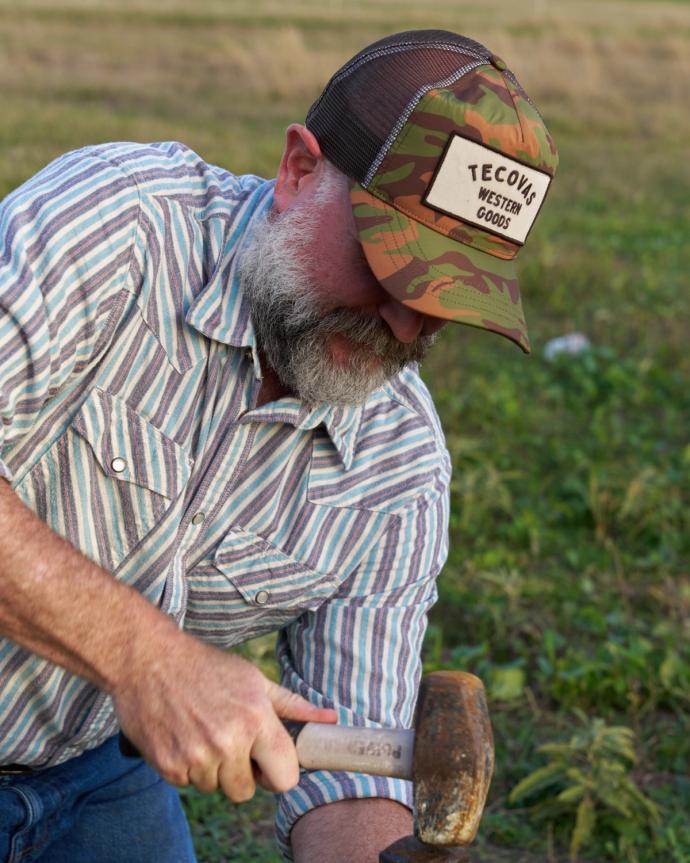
(213,427)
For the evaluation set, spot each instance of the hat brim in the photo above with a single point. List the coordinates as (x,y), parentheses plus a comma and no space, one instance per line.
(437,275)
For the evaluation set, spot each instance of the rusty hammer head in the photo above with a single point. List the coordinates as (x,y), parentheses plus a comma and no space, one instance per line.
(450,761)
(453,758)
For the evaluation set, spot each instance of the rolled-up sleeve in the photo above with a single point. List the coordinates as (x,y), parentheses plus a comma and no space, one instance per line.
(66,238)
(360,652)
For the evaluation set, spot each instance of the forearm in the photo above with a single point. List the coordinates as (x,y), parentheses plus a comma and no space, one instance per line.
(349,830)
(57,603)
(197,714)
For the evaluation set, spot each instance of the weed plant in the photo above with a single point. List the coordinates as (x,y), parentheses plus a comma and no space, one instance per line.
(588,778)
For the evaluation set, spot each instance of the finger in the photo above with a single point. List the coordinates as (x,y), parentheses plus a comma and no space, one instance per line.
(267,783)
(290,705)
(275,758)
(236,778)
(204,778)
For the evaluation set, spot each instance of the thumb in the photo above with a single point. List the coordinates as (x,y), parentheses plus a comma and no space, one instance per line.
(290,705)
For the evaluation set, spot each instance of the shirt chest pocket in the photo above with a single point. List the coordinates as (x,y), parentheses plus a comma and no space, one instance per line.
(253,587)
(107,481)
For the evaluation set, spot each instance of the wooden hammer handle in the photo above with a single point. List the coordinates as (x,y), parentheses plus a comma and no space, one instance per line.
(381,751)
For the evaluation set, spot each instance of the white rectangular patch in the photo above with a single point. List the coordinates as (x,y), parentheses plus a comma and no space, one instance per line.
(487,189)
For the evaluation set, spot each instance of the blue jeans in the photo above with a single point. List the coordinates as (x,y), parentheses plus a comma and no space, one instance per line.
(98,808)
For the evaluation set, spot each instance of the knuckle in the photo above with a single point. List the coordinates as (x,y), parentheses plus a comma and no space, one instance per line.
(175,776)
(197,756)
(172,769)
(240,792)
(283,748)
(245,729)
(230,740)
(237,781)
(288,779)
(205,782)
(280,787)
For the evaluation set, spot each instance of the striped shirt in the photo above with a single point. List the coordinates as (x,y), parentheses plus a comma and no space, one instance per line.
(129,376)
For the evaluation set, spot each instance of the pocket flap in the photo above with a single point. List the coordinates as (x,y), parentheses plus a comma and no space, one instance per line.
(269,578)
(129,448)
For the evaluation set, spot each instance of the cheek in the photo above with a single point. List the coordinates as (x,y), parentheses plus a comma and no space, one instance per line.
(327,251)
(342,275)
(372,293)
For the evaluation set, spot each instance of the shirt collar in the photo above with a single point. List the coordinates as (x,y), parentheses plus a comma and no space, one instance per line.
(341,422)
(220,310)
(221,313)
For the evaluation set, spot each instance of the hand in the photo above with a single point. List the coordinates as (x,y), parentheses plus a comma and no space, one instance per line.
(211,719)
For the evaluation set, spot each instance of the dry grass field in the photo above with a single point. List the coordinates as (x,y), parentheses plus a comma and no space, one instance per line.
(225,76)
(568,583)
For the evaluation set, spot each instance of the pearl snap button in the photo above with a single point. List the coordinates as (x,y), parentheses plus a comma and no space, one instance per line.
(199,518)
(261,597)
(118,465)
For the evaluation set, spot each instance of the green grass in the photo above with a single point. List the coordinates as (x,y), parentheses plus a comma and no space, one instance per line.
(567,586)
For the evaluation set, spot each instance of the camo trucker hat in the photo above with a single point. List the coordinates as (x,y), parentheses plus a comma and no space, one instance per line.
(451,163)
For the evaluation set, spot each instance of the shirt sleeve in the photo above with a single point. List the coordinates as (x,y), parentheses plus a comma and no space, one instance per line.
(360,651)
(66,237)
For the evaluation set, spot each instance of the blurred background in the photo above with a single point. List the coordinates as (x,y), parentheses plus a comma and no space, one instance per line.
(568,583)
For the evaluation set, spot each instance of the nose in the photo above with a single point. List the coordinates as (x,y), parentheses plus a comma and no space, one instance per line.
(407,324)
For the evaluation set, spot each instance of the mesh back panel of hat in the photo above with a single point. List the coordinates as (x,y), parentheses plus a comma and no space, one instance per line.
(366,99)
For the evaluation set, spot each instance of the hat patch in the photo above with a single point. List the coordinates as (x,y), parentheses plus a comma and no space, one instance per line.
(487,189)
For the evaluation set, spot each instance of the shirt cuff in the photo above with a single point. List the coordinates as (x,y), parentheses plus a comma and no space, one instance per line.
(319,787)
(5,472)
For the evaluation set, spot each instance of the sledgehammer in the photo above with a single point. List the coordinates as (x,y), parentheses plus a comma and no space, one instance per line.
(449,756)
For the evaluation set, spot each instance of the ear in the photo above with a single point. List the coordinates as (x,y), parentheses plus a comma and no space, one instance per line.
(301,161)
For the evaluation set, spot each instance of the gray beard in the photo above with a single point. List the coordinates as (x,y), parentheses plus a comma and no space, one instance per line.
(293,334)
